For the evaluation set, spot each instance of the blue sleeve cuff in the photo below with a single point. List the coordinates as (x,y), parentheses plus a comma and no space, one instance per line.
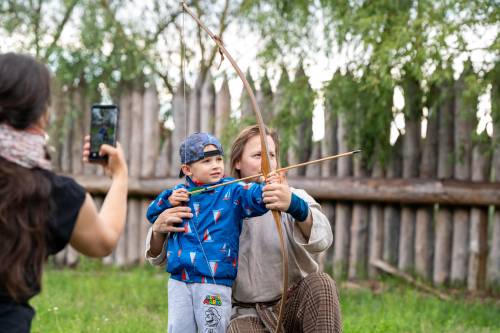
(158,206)
(299,209)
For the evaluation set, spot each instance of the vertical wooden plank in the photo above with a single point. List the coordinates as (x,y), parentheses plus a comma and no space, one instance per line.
(207,105)
(265,99)
(136,144)
(67,135)
(424,230)
(88,168)
(55,128)
(179,113)
(144,226)
(376,227)
(151,131)
(300,148)
(494,255)
(134,226)
(222,109)
(392,212)
(193,124)
(323,258)
(478,242)
(78,98)
(329,142)
(464,126)
(314,170)
(359,231)
(411,156)
(163,163)
(342,209)
(443,232)
(245,102)
(125,122)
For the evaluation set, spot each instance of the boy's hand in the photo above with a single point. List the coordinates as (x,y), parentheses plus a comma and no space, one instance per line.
(178,197)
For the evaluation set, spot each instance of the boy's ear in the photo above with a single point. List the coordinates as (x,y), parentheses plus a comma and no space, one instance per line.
(187,170)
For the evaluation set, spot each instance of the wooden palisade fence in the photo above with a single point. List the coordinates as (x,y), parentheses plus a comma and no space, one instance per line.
(425,212)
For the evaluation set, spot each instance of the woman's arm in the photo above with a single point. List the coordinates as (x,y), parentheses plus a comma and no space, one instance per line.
(96,234)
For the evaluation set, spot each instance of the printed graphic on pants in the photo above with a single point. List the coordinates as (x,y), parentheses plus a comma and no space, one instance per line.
(212,300)
(212,317)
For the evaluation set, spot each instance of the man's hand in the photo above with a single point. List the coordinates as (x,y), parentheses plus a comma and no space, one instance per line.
(169,220)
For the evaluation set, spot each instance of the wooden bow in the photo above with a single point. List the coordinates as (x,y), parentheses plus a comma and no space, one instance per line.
(265,159)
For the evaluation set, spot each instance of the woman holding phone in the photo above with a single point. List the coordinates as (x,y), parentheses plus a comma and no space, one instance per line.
(41,212)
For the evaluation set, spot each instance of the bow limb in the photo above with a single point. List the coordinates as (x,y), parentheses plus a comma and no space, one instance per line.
(266,161)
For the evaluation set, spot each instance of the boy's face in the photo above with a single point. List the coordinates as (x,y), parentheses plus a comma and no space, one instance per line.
(208,170)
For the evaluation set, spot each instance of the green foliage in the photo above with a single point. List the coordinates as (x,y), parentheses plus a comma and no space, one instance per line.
(367,113)
(293,114)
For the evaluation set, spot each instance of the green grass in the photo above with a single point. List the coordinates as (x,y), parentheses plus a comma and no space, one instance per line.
(401,309)
(94,298)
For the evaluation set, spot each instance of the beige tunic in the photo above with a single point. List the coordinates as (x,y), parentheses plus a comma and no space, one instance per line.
(259,276)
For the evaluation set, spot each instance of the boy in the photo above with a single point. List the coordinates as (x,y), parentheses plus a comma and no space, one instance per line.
(202,261)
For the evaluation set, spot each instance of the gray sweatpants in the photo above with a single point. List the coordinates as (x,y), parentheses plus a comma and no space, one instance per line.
(198,307)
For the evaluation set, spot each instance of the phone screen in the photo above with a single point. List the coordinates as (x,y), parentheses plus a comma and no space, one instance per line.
(103,127)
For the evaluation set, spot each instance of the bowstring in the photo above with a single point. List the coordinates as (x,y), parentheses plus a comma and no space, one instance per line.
(183,69)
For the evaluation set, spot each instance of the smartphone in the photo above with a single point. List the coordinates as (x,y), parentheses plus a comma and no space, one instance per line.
(103,129)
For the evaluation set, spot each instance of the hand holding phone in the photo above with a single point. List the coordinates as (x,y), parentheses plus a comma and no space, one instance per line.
(103,129)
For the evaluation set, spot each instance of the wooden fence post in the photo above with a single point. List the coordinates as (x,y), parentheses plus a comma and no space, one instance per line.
(342,209)
(392,212)
(207,105)
(428,169)
(222,109)
(376,227)
(478,243)
(358,259)
(179,109)
(464,114)
(411,152)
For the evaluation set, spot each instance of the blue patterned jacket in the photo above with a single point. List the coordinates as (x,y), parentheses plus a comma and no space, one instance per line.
(210,241)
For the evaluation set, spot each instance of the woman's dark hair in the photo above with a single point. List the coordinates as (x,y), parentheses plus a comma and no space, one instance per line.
(24,90)
(24,193)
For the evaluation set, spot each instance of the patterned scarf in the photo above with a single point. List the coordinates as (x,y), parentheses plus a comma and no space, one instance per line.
(24,147)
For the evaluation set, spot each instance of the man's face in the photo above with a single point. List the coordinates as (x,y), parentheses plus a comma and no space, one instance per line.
(208,170)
